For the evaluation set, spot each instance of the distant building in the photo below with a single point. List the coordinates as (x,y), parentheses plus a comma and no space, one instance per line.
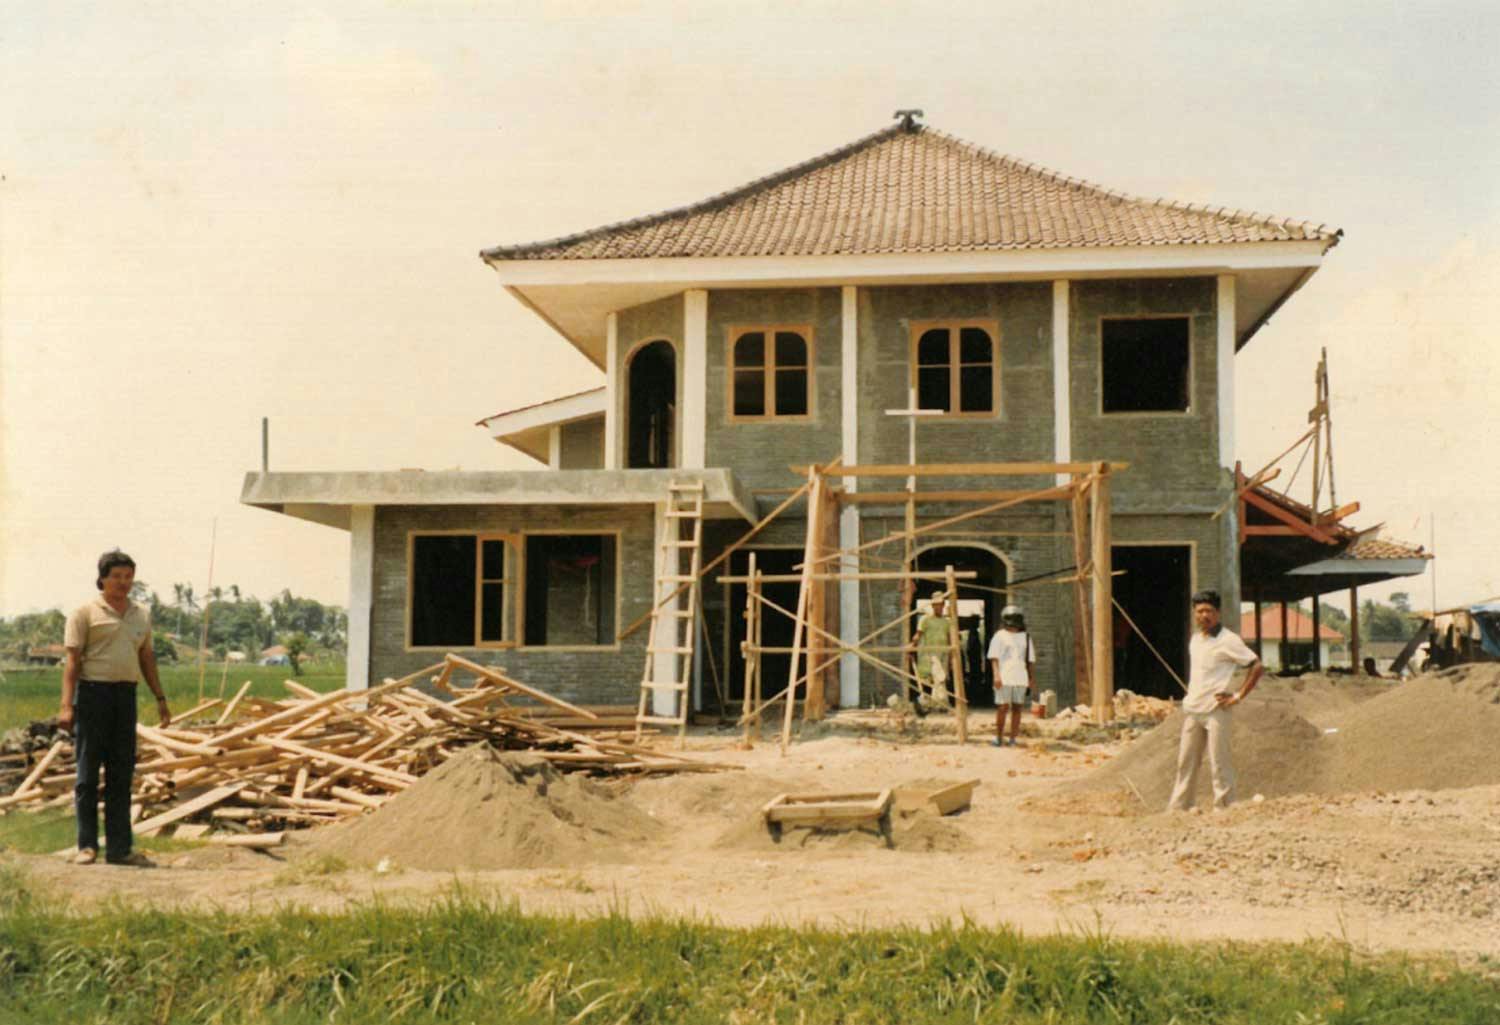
(1296,648)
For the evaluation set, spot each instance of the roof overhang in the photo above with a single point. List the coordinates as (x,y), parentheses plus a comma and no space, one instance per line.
(529,429)
(327,497)
(574,296)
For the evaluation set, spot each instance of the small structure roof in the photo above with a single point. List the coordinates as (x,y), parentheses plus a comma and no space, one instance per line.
(913,190)
(1298,626)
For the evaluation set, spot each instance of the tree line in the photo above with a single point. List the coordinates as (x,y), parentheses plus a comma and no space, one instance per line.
(236,622)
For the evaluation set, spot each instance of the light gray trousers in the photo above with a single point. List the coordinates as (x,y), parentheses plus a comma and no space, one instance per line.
(1198,732)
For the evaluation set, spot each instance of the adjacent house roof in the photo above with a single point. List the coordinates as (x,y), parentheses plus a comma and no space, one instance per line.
(1298,626)
(1382,548)
(913,190)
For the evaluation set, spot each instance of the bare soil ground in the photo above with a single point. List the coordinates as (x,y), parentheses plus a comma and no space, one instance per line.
(1054,839)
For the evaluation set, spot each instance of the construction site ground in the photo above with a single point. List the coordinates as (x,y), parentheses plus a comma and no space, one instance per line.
(1066,832)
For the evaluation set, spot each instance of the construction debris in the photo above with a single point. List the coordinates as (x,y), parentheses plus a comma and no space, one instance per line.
(317,758)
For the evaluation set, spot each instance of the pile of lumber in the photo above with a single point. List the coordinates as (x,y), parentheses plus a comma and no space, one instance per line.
(252,768)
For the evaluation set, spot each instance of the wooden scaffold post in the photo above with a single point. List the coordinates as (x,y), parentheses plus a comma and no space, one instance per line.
(956,660)
(1102,624)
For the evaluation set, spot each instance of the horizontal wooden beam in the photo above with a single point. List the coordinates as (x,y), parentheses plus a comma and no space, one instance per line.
(895,574)
(1276,531)
(902,497)
(963,469)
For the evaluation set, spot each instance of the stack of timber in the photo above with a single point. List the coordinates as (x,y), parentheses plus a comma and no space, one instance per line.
(253,768)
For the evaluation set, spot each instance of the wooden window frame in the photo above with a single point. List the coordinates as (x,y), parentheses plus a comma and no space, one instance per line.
(1192,389)
(733,334)
(955,365)
(520,634)
(514,555)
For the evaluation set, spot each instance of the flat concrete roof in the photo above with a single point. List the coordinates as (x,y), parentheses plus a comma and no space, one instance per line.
(327,497)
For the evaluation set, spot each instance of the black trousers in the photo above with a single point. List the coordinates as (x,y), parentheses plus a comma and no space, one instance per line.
(104,735)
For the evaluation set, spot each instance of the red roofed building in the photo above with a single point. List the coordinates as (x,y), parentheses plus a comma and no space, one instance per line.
(1267,637)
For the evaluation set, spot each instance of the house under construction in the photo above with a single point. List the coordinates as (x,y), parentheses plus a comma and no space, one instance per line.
(909,364)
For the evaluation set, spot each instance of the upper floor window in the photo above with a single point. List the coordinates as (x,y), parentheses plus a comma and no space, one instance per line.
(1143,365)
(956,366)
(770,371)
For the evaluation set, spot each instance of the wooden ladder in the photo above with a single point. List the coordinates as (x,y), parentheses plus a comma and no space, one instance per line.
(674,624)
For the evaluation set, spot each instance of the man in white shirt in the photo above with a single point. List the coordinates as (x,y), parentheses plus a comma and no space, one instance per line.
(1214,653)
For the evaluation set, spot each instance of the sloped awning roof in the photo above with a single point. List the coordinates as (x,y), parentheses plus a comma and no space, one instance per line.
(528,429)
(912,191)
(905,206)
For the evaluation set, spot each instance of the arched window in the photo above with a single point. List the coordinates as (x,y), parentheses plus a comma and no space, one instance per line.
(770,372)
(955,367)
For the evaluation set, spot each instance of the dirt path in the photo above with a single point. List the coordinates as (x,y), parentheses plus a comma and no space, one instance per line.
(1414,871)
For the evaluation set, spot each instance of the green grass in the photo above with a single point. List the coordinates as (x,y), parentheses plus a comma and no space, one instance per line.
(44,832)
(30,694)
(465,960)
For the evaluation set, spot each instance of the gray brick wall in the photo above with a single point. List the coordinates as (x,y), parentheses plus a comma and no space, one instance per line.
(760,451)
(1023,429)
(596,676)
(583,444)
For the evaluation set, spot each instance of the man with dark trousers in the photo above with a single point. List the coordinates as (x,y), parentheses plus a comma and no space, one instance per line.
(108,641)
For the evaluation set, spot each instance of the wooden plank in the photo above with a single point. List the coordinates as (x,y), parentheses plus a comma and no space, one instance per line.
(39,769)
(1103,594)
(256,841)
(899,497)
(173,744)
(153,825)
(961,469)
(401,779)
(250,729)
(531,692)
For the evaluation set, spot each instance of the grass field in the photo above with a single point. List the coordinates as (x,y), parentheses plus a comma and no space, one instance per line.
(465,960)
(30,694)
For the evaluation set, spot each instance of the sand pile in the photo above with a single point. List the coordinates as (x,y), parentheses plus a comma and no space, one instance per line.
(486,809)
(1329,736)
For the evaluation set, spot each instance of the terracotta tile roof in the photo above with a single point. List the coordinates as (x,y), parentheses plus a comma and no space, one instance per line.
(1380,548)
(917,191)
(1298,625)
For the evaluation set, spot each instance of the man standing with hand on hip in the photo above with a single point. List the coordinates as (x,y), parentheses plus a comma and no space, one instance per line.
(1214,653)
(109,648)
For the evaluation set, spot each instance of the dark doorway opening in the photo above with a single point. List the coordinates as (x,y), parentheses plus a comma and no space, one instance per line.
(776,629)
(651,421)
(1154,590)
(979,605)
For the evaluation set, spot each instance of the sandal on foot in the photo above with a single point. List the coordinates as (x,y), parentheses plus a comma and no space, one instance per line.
(85,856)
(135,859)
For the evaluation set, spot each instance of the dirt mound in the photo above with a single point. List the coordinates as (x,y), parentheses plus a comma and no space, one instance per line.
(1320,735)
(484,809)
(1319,698)
(1431,733)
(1272,747)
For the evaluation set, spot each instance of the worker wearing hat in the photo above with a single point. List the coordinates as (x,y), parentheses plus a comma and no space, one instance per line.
(934,648)
(1013,664)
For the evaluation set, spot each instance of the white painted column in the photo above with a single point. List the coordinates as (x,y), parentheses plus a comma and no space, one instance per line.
(612,372)
(1226,322)
(849,517)
(361,595)
(554,448)
(1229,584)
(1062,379)
(694,404)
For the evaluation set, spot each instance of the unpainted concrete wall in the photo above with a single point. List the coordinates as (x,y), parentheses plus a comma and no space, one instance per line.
(583,444)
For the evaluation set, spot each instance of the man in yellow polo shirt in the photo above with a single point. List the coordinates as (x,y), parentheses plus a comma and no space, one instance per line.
(109,649)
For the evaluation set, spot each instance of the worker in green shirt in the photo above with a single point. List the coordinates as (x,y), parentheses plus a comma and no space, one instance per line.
(934,646)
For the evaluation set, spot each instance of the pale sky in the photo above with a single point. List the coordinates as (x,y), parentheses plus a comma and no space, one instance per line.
(212,213)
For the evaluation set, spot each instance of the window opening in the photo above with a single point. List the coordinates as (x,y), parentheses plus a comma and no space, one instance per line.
(570,590)
(653,407)
(462,590)
(1144,365)
(770,372)
(955,369)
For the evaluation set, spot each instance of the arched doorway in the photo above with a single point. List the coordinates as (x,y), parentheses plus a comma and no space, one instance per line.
(651,420)
(979,603)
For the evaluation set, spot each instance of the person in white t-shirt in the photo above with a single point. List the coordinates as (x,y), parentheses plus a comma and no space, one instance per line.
(1214,654)
(1013,663)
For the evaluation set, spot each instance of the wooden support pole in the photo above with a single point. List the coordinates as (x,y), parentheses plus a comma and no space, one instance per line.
(956,658)
(1283,650)
(1317,634)
(809,557)
(1355,665)
(1083,655)
(1103,592)
(1260,630)
(752,649)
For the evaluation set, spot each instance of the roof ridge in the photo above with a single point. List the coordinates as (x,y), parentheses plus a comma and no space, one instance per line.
(1032,167)
(712,202)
